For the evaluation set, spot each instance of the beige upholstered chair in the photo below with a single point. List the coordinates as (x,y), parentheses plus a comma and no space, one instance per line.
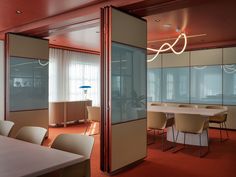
(32,134)
(6,127)
(78,144)
(219,119)
(156,104)
(158,121)
(193,124)
(188,106)
(94,117)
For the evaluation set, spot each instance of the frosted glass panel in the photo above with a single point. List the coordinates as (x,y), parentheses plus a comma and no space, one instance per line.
(229,84)
(206,84)
(175,85)
(28,84)
(154,84)
(128,72)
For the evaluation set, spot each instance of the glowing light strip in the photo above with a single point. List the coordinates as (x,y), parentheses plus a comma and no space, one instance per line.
(229,69)
(169,47)
(43,64)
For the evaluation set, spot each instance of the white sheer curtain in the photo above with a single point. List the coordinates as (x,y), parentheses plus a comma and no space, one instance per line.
(68,71)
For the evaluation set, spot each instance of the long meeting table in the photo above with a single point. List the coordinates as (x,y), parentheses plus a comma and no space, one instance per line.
(21,159)
(190,138)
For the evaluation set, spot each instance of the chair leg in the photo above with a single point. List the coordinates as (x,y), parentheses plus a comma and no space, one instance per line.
(153,138)
(173,134)
(208,147)
(200,144)
(184,138)
(226,130)
(177,136)
(220,133)
(86,129)
(162,139)
(154,135)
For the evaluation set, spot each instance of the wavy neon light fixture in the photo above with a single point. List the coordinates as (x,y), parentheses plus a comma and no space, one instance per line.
(169,47)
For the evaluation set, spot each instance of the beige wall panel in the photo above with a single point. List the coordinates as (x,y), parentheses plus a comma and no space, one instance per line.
(29,47)
(2,80)
(28,118)
(126,28)
(155,63)
(229,55)
(129,143)
(206,57)
(173,60)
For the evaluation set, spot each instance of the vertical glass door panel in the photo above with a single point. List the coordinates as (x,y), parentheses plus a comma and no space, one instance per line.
(154,84)
(206,84)
(128,83)
(229,84)
(175,85)
(28,84)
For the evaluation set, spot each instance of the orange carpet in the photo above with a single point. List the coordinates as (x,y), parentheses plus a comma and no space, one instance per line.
(220,161)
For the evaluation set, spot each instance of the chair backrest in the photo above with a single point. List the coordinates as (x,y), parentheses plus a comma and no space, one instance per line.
(222,116)
(156,104)
(187,106)
(6,127)
(78,144)
(74,143)
(156,120)
(190,123)
(94,113)
(216,107)
(32,134)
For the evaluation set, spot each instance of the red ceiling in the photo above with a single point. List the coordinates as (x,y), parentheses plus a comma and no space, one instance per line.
(215,20)
(35,10)
(75,24)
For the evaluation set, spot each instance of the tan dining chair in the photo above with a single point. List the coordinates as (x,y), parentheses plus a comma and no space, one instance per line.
(77,144)
(219,119)
(187,106)
(6,127)
(156,104)
(94,118)
(191,124)
(32,134)
(159,121)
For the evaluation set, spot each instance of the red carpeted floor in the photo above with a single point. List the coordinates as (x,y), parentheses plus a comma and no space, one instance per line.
(220,161)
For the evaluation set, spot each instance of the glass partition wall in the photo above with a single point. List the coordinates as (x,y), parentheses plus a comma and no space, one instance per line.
(28,84)
(128,83)
(215,84)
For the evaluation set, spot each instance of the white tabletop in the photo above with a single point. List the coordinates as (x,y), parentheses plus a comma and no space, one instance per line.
(18,158)
(185,110)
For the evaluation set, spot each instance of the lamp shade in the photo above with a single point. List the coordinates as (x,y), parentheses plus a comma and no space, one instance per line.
(85,86)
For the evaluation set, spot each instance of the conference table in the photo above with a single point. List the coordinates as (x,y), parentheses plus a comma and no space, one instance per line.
(190,138)
(19,158)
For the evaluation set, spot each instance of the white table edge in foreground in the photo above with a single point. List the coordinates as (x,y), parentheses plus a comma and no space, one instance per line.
(20,158)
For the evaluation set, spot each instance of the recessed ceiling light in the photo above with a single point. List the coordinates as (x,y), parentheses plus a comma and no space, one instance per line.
(19,12)
(157,20)
(167,25)
(177,30)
